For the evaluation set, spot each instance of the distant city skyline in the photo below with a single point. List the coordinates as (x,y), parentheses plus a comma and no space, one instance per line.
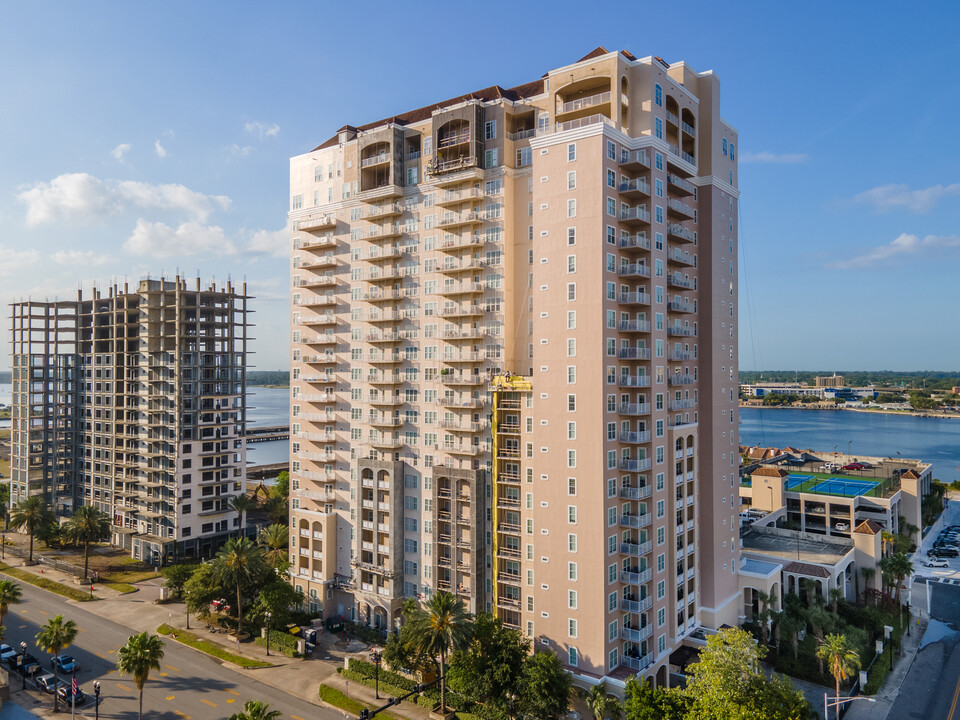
(131,153)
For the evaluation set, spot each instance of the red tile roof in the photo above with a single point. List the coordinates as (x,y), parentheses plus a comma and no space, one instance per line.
(868,527)
(800,568)
(768,471)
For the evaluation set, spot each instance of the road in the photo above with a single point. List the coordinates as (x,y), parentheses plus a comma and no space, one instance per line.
(931,690)
(189,686)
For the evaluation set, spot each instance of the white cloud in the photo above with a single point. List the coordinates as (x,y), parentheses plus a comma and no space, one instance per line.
(262,130)
(238,151)
(119,151)
(79,257)
(191,238)
(272,242)
(895,197)
(80,197)
(773,158)
(903,247)
(160,149)
(12,260)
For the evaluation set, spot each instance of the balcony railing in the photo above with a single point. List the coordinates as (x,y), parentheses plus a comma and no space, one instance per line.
(635,437)
(454,139)
(636,493)
(634,408)
(635,157)
(681,183)
(634,298)
(637,185)
(635,465)
(634,326)
(375,160)
(635,578)
(638,241)
(521,134)
(585,102)
(633,353)
(633,381)
(634,270)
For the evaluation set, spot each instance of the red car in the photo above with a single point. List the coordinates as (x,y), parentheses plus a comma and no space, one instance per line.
(854,466)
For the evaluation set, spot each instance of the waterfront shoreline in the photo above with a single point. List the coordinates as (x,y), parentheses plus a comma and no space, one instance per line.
(868,411)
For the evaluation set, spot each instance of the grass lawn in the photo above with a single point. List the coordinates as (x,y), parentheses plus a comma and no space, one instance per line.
(124,588)
(66,591)
(338,699)
(197,643)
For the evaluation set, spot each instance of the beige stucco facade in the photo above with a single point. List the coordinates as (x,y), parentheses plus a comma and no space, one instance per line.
(578,234)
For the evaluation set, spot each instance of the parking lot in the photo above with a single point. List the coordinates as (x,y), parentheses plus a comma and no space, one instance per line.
(951,573)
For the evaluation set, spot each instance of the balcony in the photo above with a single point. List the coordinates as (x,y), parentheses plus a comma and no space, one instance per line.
(455,243)
(379,296)
(584,103)
(453,139)
(675,331)
(635,521)
(312,223)
(681,281)
(323,261)
(634,326)
(637,664)
(451,402)
(455,197)
(316,281)
(319,300)
(465,357)
(636,635)
(385,274)
(467,265)
(454,220)
(633,353)
(386,400)
(464,288)
(387,443)
(521,134)
(637,186)
(682,379)
(322,319)
(634,408)
(385,379)
(382,338)
(633,381)
(635,578)
(636,605)
(635,215)
(634,438)
(383,232)
(462,380)
(379,159)
(634,298)
(638,241)
(681,185)
(317,436)
(466,310)
(687,404)
(328,358)
(634,270)
(321,417)
(681,307)
(635,159)
(319,244)
(385,210)
(680,355)
(681,209)
(380,421)
(387,252)
(385,358)
(469,333)
(636,493)
(636,465)
(679,232)
(326,397)
(673,119)
(681,257)
(687,157)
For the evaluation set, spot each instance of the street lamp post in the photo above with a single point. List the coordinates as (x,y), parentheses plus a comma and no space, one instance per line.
(377,657)
(842,701)
(266,616)
(96,694)
(23,667)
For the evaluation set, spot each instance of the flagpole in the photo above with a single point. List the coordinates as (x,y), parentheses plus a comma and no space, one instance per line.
(73,696)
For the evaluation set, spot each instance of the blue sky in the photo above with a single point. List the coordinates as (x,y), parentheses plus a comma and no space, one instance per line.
(154,137)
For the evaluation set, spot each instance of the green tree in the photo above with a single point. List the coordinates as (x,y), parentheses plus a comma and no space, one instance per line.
(201,590)
(88,525)
(53,637)
(276,509)
(896,567)
(765,603)
(644,702)
(841,657)
(728,682)
(32,515)
(241,504)
(440,628)
(275,539)
(256,710)
(601,704)
(138,657)
(403,652)
(277,597)
(545,687)
(10,594)
(239,562)
(177,576)
(489,668)
(281,487)
(822,623)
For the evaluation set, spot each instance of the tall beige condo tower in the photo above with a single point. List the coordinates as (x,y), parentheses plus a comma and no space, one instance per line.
(514,362)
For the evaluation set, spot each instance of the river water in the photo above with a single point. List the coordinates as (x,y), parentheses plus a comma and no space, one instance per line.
(268,406)
(932,440)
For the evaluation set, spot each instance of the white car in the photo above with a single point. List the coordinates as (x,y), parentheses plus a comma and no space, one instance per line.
(829,467)
(842,527)
(937,563)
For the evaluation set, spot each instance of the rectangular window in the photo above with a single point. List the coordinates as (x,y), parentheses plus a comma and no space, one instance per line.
(572,207)
(572,180)
(490,130)
(571,152)
(572,542)
(490,158)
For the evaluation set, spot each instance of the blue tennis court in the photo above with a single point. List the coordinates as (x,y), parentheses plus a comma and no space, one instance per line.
(795,481)
(844,487)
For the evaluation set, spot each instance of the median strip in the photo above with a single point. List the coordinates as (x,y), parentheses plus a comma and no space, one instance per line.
(47,584)
(197,643)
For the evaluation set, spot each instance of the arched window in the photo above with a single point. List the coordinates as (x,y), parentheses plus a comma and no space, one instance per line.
(658,95)
(724,147)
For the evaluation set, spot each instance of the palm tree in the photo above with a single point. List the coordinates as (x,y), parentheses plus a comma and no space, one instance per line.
(886,541)
(442,627)
(256,710)
(240,504)
(843,659)
(898,567)
(10,594)
(53,637)
(600,703)
(138,657)
(276,509)
(32,514)
(275,539)
(239,562)
(836,595)
(88,525)
(765,601)
(868,574)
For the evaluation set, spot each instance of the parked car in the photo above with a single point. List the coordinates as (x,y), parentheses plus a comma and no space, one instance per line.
(841,526)
(27,664)
(854,466)
(65,691)
(65,663)
(47,683)
(946,552)
(937,563)
(7,653)
(828,467)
